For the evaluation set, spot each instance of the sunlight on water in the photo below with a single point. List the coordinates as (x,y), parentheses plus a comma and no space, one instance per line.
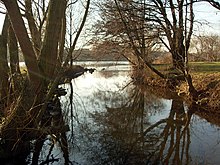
(91,82)
(112,118)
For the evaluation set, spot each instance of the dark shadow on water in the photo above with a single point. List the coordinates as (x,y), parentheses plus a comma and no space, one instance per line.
(134,125)
(137,127)
(129,137)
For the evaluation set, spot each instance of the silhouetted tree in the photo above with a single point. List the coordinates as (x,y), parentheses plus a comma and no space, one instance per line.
(25,97)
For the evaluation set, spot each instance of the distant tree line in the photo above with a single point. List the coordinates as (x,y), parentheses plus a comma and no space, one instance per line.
(205,48)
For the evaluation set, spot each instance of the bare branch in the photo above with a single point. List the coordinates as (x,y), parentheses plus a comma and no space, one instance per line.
(78,33)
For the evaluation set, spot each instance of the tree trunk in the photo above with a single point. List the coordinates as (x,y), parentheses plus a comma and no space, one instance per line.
(49,52)
(26,120)
(178,60)
(4,69)
(24,42)
(35,33)
(31,95)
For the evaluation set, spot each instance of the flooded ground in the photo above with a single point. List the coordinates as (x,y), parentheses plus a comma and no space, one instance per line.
(117,122)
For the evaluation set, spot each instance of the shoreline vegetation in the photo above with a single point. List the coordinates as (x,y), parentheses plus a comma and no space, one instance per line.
(206,82)
(205,78)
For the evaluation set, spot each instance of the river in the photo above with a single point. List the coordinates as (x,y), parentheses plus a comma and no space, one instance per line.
(114,121)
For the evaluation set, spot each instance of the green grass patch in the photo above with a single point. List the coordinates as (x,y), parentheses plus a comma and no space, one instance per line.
(204,66)
(162,67)
(197,67)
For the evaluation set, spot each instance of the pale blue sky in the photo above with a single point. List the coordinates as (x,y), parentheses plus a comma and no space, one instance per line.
(204,13)
(208,16)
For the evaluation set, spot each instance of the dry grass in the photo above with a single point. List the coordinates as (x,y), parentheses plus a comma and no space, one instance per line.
(208,84)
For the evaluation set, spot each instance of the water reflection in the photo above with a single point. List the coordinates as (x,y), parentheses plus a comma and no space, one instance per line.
(129,137)
(113,121)
(123,124)
(129,124)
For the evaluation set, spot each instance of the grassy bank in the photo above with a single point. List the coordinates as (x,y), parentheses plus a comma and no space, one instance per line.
(205,66)
(206,80)
(195,67)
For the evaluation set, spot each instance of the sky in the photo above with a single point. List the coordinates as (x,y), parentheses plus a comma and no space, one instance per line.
(204,13)
(209,16)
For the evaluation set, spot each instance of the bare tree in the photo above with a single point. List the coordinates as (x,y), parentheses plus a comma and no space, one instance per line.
(214,3)
(124,25)
(42,43)
(206,47)
(141,24)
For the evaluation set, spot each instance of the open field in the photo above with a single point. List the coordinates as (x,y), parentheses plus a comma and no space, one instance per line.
(205,66)
(195,67)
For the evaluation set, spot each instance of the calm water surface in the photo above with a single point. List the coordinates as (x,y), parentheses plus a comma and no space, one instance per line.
(117,122)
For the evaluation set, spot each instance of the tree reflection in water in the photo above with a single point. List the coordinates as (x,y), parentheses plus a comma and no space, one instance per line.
(128,136)
(134,125)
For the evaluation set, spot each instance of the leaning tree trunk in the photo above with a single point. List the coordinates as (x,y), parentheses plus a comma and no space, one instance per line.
(4,69)
(26,119)
(10,133)
(23,122)
(24,42)
(33,83)
(49,51)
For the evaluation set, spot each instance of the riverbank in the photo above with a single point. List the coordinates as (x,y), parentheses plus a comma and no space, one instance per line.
(206,83)
(205,77)
(208,86)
